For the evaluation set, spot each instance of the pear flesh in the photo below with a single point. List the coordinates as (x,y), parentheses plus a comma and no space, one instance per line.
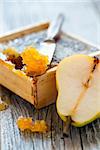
(78,84)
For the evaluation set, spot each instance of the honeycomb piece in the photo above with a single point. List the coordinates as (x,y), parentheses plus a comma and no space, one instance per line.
(10,65)
(24,123)
(14,57)
(39,126)
(11,51)
(3,105)
(27,124)
(36,63)
(18,62)
(20,73)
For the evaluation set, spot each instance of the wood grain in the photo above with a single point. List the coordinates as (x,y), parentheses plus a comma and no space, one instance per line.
(82,18)
(87,138)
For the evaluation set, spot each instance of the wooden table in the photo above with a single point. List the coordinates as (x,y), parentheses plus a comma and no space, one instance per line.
(82,18)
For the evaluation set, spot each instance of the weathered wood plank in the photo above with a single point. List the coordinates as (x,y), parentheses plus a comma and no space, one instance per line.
(85,138)
(82,19)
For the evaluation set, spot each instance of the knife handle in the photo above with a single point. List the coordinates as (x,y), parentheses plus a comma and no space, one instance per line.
(55,27)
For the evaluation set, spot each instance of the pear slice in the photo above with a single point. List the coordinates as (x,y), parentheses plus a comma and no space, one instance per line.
(89,106)
(72,76)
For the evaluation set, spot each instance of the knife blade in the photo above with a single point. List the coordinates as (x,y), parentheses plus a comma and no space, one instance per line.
(47,47)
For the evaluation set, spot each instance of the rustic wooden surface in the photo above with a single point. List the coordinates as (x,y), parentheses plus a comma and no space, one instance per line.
(82,18)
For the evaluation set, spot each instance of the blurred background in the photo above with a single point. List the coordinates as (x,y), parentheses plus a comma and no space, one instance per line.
(82,16)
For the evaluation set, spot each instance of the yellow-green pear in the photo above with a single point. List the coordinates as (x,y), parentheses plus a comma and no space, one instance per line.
(78,84)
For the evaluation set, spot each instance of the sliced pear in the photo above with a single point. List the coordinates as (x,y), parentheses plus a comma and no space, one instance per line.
(74,96)
(89,106)
(70,79)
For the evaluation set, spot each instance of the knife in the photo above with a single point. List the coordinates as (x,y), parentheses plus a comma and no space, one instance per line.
(47,47)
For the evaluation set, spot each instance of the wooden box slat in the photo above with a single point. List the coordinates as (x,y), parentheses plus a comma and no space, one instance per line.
(22,32)
(16,83)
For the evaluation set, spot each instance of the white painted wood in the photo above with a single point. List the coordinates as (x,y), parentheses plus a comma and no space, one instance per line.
(82,19)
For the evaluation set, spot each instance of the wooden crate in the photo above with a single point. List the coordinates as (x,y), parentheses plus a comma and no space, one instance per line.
(40,91)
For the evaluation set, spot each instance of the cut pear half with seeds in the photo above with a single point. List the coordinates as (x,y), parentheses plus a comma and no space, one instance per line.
(78,84)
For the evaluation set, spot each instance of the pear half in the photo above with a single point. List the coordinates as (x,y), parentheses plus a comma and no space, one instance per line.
(78,84)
